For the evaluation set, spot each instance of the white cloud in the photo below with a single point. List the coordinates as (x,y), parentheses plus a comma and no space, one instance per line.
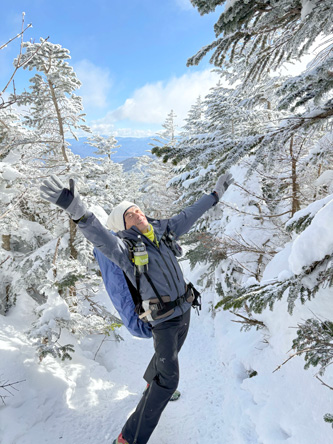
(96,83)
(129,132)
(185,4)
(103,127)
(151,103)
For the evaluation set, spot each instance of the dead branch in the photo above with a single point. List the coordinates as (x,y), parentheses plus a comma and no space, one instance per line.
(293,355)
(19,64)
(252,214)
(1,263)
(247,321)
(7,387)
(324,383)
(17,36)
(234,246)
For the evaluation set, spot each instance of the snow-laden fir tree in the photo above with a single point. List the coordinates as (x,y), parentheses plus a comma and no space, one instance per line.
(272,31)
(257,38)
(193,119)
(223,138)
(231,126)
(47,257)
(282,153)
(54,109)
(167,137)
(301,136)
(105,146)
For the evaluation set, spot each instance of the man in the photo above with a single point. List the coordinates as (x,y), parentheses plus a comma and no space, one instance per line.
(164,278)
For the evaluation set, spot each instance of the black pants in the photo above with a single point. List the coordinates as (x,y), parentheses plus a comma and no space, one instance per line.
(162,374)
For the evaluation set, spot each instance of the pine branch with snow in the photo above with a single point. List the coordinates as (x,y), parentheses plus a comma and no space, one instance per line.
(314,341)
(267,33)
(329,418)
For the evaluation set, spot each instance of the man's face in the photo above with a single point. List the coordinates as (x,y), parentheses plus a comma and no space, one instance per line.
(135,217)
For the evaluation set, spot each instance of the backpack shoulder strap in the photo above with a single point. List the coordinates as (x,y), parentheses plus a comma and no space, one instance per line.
(169,238)
(130,245)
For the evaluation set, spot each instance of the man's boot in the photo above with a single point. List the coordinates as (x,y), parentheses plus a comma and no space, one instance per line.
(120,440)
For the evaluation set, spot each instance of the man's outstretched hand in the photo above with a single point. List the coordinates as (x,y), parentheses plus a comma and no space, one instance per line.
(223,183)
(68,199)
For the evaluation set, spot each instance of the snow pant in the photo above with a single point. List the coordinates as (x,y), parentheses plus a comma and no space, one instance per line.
(162,375)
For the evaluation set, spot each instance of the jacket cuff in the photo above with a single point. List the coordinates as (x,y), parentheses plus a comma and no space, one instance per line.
(84,218)
(216,196)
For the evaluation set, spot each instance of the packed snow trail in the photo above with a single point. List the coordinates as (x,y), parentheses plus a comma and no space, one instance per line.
(87,400)
(200,414)
(83,401)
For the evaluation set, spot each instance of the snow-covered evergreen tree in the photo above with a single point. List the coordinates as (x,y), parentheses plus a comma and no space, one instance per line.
(278,160)
(167,137)
(106,146)
(54,109)
(257,38)
(193,120)
(272,31)
(47,257)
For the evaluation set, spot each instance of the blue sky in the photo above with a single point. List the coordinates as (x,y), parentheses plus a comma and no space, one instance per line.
(129,55)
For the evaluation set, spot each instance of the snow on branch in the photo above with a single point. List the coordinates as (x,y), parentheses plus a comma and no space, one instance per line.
(264,35)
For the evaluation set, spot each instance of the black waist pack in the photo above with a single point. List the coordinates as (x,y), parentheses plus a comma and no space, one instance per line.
(196,302)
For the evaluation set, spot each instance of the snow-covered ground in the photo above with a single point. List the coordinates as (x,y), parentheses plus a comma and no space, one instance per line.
(87,400)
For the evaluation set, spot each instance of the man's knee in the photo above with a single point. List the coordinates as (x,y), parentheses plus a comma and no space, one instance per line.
(168,377)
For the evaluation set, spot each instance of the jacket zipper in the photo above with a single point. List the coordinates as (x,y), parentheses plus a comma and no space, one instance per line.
(174,282)
(165,276)
(174,267)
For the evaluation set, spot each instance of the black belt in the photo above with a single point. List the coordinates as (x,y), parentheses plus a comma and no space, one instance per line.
(166,306)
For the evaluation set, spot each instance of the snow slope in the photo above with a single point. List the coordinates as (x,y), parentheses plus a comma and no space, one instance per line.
(86,401)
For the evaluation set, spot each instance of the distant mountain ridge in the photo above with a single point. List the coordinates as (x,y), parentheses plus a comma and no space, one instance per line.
(129,147)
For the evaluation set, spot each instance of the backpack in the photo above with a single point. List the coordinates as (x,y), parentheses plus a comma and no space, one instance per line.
(122,294)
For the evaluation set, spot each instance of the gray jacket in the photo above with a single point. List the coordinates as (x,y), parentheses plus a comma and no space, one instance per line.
(163,267)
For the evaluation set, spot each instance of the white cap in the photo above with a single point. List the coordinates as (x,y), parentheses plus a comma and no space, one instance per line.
(116,220)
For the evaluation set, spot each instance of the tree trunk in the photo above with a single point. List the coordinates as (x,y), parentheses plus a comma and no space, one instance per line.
(61,126)
(6,242)
(295,206)
(6,247)
(72,234)
(72,225)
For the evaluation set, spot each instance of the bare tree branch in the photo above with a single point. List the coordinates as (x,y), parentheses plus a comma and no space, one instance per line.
(324,383)
(248,321)
(19,64)
(1,263)
(7,387)
(17,36)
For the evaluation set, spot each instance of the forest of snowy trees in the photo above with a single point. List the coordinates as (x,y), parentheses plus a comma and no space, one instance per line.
(270,241)
(274,133)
